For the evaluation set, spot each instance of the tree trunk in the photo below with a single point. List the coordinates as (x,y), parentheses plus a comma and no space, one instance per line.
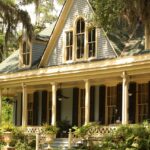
(147,35)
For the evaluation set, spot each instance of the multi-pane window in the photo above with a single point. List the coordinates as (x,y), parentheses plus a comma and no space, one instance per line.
(80,35)
(69,43)
(91,42)
(26,53)
(142,102)
(111,104)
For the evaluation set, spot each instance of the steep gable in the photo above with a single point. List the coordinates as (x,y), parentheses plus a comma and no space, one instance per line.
(54,54)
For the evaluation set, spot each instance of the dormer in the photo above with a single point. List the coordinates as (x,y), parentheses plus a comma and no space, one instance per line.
(25,52)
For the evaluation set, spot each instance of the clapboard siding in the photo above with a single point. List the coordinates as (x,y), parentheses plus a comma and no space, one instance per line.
(81,8)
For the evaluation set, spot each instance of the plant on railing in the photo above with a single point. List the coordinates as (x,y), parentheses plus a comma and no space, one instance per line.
(50,132)
(127,137)
(82,131)
(50,129)
(19,139)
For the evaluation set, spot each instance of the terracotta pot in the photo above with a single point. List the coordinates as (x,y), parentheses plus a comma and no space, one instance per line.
(7,137)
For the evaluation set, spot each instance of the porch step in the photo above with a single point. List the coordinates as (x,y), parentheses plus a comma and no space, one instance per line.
(60,143)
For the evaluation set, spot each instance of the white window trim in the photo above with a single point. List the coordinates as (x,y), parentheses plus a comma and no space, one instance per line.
(64,47)
(74,47)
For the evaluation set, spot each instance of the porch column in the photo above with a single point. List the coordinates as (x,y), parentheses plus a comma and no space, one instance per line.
(87,101)
(24,105)
(0,106)
(54,90)
(125,100)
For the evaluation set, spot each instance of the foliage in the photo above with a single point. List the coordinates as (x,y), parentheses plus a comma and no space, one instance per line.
(110,14)
(128,137)
(20,139)
(7,111)
(82,131)
(50,129)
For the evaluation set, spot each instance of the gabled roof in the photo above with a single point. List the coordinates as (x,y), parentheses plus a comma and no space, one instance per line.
(56,31)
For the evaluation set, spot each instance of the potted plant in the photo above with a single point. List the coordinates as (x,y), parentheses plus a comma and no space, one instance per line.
(7,133)
(50,132)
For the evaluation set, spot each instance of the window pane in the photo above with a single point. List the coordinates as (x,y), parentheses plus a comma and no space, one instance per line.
(82,26)
(28,58)
(91,42)
(67,39)
(24,47)
(69,42)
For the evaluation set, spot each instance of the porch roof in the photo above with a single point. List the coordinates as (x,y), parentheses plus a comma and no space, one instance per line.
(133,65)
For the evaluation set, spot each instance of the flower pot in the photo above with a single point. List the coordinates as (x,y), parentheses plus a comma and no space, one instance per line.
(7,137)
(49,139)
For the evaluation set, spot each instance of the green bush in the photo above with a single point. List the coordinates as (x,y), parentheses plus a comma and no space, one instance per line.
(130,137)
(20,139)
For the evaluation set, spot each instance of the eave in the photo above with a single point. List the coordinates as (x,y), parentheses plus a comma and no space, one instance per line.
(133,65)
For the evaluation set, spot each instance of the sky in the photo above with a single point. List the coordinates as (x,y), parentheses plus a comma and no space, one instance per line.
(31,10)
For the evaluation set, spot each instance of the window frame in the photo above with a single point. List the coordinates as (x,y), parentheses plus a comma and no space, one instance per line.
(79,34)
(74,45)
(111,104)
(28,45)
(65,48)
(143,104)
(91,42)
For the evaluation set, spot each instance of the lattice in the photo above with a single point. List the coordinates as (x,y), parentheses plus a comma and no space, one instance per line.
(34,130)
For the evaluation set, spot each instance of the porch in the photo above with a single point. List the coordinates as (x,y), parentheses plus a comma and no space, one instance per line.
(119,100)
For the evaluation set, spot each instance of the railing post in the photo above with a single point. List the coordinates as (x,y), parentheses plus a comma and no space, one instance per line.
(70,139)
(37,141)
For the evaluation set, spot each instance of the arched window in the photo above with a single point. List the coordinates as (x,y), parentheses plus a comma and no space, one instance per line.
(26,53)
(80,35)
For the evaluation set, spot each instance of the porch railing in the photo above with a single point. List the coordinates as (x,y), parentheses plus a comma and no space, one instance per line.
(94,133)
(38,132)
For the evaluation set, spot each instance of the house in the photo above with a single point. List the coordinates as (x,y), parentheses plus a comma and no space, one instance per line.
(76,75)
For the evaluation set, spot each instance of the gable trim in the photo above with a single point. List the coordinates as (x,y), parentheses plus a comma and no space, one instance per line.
(56,32)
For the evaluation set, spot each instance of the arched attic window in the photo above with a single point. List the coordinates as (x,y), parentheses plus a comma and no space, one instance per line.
(26,53)
(80,37)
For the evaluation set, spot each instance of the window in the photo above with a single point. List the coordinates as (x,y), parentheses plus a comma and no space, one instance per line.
(111,104)
(69,43)
(142,103)
(91,42)
(80,35)
(26,53)
(80,42)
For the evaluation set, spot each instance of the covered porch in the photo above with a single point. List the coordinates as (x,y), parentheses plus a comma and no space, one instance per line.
(108,93)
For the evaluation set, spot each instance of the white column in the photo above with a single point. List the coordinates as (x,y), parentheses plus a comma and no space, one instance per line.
(24,105)
(0,106)
(125,100)
(54,90)
(87,101)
